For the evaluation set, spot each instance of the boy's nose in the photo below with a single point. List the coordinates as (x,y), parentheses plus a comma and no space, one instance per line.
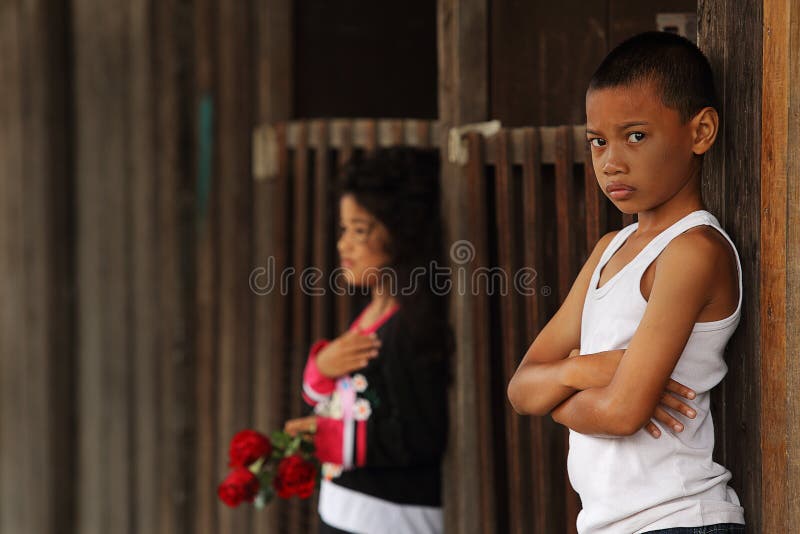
(612,166)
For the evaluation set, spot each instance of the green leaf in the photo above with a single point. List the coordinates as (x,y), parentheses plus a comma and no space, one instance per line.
(280,439)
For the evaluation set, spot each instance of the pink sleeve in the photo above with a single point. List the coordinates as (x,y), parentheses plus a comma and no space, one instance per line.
(316,386)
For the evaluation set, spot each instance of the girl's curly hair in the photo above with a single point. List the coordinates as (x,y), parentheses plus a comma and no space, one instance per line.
(401,188)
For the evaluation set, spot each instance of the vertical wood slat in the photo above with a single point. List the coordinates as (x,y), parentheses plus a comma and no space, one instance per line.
(281,351)
(209,453)
(567,262)
(300,301)
(515,435)
(483,387)
(15,506)
(235,98)
(145,280)
(320,223)
(733,195)
(547,510)
(595,204)
(565,192)
(37,355)
(344,303)
(779,279)
(268,201)
(273,66)
(175,254)
(99,40)
(321,259)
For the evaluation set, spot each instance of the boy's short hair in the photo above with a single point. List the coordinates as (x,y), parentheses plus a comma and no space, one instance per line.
(680,71)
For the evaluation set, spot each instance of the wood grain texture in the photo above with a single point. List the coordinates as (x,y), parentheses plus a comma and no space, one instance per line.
(793,264)
(209,452)
(481,346)
(37,358)
(731,192)
(147,425)
(344,304)
(102,86)
(516,428)
(235,99)
(779,279)
(463,97)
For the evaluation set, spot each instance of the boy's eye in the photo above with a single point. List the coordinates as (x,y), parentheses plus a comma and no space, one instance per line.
(635,137)
(597,142)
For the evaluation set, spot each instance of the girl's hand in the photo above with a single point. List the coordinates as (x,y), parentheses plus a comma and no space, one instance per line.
(302,424)
(347,353)
(671,401)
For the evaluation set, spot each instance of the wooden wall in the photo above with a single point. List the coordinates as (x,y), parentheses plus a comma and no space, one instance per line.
(543,54)
(37,301)
(779,283)
(731,191)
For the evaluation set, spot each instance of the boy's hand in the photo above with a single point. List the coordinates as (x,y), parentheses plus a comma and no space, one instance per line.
(302,424)
(671,401)
(347,353)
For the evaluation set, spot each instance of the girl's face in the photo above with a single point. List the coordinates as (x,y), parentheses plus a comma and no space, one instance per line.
(362,243)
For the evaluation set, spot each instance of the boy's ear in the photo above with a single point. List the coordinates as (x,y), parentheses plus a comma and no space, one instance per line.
(705,126)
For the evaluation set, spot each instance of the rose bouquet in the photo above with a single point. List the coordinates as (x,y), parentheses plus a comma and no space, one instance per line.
(262,467)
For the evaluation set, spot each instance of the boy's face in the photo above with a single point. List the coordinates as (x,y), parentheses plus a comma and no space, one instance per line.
(642,153)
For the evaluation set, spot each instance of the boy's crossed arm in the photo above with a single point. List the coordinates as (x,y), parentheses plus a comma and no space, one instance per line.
(549,380)
(685,272)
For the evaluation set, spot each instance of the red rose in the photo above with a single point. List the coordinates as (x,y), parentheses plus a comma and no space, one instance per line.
(248,446)
(295,476)
(239,486)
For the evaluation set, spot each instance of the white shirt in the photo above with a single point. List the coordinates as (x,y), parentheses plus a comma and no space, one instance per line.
(638,483)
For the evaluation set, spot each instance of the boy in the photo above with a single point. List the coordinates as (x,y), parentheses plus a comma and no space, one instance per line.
(651,310)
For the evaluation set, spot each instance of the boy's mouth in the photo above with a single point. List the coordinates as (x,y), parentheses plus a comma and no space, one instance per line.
(619,191)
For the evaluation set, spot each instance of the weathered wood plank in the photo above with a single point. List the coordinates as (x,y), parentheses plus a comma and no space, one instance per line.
(37,357)
(779,280)
(463,69)
(483,388)
(546,508)
(321,237)
(732,193)
(793,263)
(344,303)
(173,118)
(210,451)
(235,103)
(101,91)
(567,261)
(300,302)
(596,202)
(515,428)
(146,455)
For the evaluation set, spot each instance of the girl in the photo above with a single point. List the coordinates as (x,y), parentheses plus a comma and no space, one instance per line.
(379,390)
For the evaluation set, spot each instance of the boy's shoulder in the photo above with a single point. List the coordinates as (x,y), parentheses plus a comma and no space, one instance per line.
(701,245)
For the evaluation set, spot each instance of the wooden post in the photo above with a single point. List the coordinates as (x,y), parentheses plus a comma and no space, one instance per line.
(274,89)
(37,304)
(731,191)
(780,268)
(463,98)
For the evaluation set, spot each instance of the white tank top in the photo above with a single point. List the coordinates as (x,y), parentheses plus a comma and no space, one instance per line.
(637,483)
